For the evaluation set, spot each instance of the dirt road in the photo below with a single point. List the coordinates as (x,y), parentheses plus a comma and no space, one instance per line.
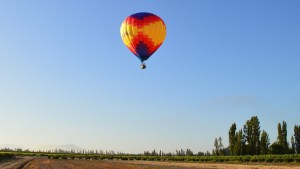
(43,163)
(16,163)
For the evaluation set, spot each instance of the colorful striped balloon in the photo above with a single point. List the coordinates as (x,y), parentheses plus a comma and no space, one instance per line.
(143,33)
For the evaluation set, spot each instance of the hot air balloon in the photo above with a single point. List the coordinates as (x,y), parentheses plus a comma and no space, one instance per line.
(143,33)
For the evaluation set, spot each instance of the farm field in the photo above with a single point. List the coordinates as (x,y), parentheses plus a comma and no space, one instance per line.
(45,163)
(15,163)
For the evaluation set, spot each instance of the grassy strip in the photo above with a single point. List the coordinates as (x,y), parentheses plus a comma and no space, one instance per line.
(288,158)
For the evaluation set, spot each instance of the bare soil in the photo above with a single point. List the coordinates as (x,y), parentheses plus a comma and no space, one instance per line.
(44,163)
(217,165)
(15,163)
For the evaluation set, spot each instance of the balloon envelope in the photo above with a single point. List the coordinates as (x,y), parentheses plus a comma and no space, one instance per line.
(143,33)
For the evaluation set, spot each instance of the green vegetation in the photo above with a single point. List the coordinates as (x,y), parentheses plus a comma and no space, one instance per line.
(297,139)
(251,141)
(247,145)
(6,156)
(287,158)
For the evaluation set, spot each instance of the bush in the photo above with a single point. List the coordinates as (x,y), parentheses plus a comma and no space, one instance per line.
(246,159)
(220,159)
(288,158)
(194,159)
(144,158)
(138,158)
(150,158)
(297,159)
(261,158)
(269,159)
(55,157)
(6,156)
(124,158)
(226,159)
(277,159)
(253,159)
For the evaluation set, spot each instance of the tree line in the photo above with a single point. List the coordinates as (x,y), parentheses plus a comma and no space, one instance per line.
(251,140)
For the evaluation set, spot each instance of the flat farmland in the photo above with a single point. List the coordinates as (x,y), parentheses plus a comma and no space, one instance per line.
(44,163)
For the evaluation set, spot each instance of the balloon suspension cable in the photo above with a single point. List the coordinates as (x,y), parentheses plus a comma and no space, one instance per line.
(143,66)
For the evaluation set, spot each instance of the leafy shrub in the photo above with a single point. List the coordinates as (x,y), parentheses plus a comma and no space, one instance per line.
(287,158)
(269,159)
(226,159)
(124,158)
(219,159)
(144,158)
(150,158)
(246,158)
(194,159)
(253,159)
(55,157)
(137,157)
(277,159)
(297,159)
(261,158)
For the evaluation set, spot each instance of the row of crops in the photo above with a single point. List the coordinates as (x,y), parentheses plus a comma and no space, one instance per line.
(268,158)
(229,159)
(223,159)
(5,156)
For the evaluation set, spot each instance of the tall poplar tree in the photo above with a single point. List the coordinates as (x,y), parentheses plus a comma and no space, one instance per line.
(297,138)
(216,144)
(265,142)
(279,136)
(220,146)
(284,137)
(232,138)
(240,148)
(293,145)
(252,135)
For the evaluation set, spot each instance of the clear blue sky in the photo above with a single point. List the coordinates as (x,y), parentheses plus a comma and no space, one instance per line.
(66,76)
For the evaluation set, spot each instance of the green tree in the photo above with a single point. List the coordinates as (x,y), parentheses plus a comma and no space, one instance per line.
(220,148)
(240,148)
(277,148)
(265,142)
(297,138)
(189,152)
(232,138)
(284,137)
(252,135)
(293,145)
(154,153)
(213,152)
(279,136)
(216,144)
